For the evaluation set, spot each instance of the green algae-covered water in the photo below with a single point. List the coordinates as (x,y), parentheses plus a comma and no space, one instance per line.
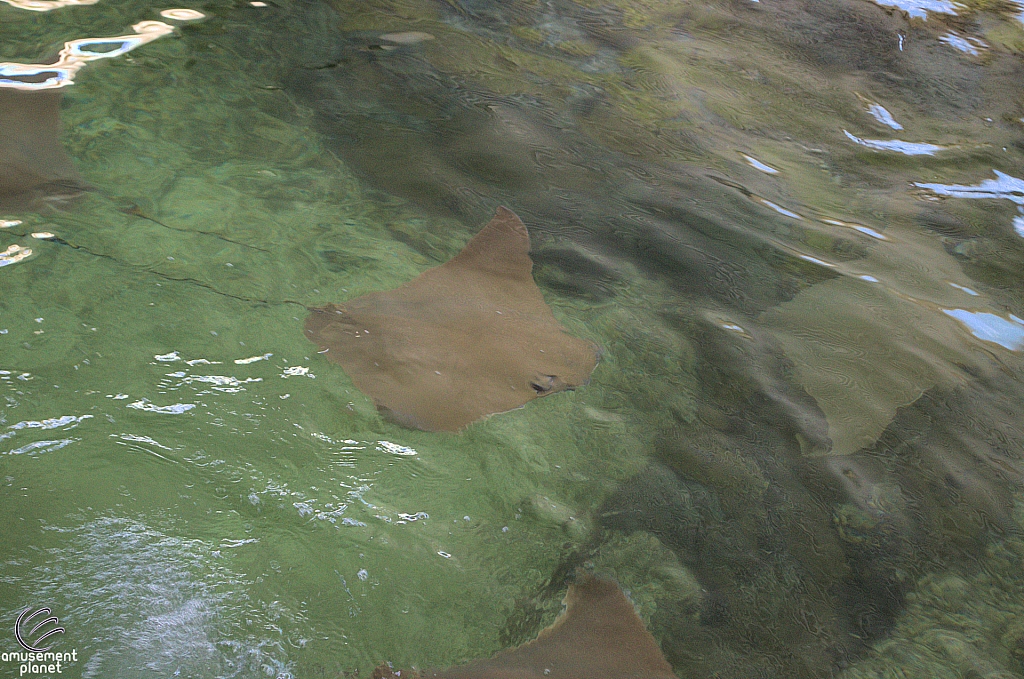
(795,228)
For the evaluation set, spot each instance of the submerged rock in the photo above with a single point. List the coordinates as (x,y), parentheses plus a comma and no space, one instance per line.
(407,37)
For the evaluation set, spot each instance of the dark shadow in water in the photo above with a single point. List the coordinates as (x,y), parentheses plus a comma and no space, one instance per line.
(456,150)
(806,559)
(816,553)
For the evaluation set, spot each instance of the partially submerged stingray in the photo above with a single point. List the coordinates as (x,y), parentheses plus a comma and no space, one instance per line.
(599,636)
(33,164)
(464,340)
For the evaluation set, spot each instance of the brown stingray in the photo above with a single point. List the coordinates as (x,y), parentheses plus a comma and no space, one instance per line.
(599,636)
(464,340)
(33,163)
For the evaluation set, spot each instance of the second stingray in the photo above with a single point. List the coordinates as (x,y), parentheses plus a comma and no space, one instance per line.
(34,167)
(464,340)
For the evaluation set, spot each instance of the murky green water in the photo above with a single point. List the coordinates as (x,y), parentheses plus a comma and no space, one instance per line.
(795,228)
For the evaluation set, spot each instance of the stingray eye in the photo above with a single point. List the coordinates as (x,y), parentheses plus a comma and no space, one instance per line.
(542,384)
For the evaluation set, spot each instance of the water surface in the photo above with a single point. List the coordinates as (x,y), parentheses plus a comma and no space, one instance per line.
(793,227)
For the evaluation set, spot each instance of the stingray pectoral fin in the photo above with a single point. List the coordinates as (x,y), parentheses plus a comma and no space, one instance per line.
(464,340)
(599,636)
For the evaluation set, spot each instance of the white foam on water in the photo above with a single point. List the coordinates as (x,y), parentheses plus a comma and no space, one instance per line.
(69,421)
(38,447)
(395,449)
(168,605)
(175,409)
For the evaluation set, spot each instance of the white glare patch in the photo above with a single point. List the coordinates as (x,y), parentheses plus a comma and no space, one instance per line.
(920,8)
(1008,334)
(182,14)
(814,260)
(758,165)
(252,359)
(42,235)
(41,447)
(224,383)
(133,438)
(860,228)
(394,448)
(869,279)
(967,290)
(867,231)
(201,361)
(732,327)
(69,421)
(908,148)
(1003,186)
(971,46)
(168,358)
(8,223)
(75,55)
(14,254)
(778,208)
(176,409)
(879,113)
(46,5)
(1018,226)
